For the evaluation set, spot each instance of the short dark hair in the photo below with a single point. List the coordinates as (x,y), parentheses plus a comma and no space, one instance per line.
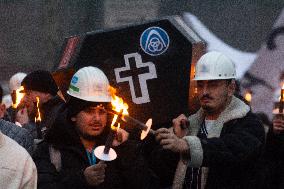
(229,81)
(75,105)
(40,80)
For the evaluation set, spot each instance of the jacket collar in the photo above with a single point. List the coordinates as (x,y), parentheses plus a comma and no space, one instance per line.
(236,109)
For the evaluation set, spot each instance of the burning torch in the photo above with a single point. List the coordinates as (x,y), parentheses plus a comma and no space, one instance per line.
(106,153)
(38,119)
(145,128)
(120,113)
(16,96)
(281,102)
(248,96)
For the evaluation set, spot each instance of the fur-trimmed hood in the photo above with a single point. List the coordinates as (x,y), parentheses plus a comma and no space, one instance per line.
(236,109)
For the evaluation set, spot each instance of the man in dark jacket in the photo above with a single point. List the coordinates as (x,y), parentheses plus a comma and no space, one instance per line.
(39,84)
(65,159)
(223,139)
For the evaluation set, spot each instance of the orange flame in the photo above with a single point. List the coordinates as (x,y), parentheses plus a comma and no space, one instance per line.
(118,126)
(38,116)
(113,122)
(248,96)
(281,98)
(118,106)
(19,97)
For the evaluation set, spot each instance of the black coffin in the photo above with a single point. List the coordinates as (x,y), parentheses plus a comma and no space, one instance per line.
(149,64)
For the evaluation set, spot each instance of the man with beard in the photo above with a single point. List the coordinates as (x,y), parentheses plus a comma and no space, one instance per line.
(65,159)
(41,84)
(223,139)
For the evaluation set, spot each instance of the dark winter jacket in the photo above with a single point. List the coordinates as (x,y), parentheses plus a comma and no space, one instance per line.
(20,135)
(49,112)
(227,157)
(162,162)
(127,171)
(273,161)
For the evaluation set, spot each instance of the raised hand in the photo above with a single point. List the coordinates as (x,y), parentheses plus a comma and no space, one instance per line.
(168,140)
(181,126)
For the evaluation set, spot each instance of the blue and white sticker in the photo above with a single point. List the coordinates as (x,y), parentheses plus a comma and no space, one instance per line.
(154,41)
(74,79)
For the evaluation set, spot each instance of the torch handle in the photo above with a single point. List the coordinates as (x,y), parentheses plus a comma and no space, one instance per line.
(109,141)
(135,122)
(184,124)
(38,130)
(152,132)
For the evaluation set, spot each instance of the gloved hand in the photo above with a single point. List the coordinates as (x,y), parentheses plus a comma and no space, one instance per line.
(181,126)
(170,141)
(95,174)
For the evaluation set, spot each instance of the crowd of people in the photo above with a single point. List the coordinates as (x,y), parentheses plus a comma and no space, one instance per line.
(224,145)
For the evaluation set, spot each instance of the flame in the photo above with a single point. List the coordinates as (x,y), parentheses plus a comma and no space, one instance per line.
(19,97)
(248,96)
(118,106)
(281,97)
(117,103)
(113,122)
(38,116)
(118,126)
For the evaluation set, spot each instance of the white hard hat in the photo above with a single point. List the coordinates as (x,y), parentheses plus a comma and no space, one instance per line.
(90,84)
(15,81)
(7,100)
(214,65)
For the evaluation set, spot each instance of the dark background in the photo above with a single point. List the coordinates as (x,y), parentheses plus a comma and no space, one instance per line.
(32,32)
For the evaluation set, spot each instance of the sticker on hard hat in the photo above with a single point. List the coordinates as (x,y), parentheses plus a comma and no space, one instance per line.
(204,68)
(73,88)
(154,41)
(74,79)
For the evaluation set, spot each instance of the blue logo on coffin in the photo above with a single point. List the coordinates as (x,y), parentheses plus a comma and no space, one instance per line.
(154,41)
